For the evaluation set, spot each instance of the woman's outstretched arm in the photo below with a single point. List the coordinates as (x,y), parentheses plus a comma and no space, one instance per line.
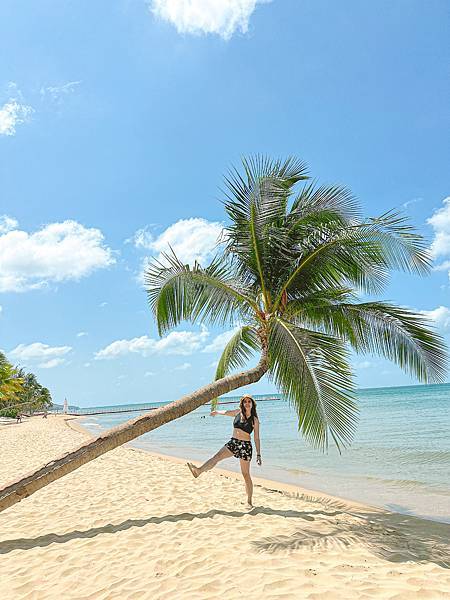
(227,413)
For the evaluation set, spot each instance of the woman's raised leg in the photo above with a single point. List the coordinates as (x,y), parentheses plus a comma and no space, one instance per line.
(212,462)
(245,469)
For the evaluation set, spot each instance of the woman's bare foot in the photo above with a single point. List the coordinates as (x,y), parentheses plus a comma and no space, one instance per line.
(249,505)
(193,469)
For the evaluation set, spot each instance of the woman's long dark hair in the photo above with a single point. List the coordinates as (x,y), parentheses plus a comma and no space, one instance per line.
(253,412)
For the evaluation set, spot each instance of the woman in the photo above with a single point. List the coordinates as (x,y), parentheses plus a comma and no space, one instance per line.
(245,421)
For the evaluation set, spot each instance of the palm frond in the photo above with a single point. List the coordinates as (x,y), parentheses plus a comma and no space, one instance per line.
(312,370)
(334,199)
(236,353)
(264,184)
(382,329)
(403,247)
(177,292)
(255,200)
(336,258)
(361,254)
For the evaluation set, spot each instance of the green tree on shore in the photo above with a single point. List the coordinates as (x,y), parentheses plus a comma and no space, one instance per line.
(10,382)
(20,392)
(34,395)
(287,276)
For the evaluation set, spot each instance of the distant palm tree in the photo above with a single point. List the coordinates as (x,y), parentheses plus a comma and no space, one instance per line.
(11,384)
(287,276)
(33,395)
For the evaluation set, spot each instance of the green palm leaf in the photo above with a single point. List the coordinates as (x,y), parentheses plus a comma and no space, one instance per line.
(336,257)
(312,370)
(403,247)
(331,199)
(359,254)
(382,329)
(236,353)
(265,185)
(178,292)
(254,200)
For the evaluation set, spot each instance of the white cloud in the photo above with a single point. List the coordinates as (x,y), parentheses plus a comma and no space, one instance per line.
(149,374)
(57,92)
(87,364)
(183,367)
(103,304)
(13,113)
(141,345)
(221,17)
(81,333)
(440,315)
(39,354)
(443,267)
(365,364)
(142,239)
(1,309)
(7,224)
(192,240)
(440,221)
(54,362)
(412,201)
(176,342)
(220,341)
(57,252)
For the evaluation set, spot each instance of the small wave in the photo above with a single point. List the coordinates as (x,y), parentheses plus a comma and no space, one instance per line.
(410,484)
(298,471)
(91,424)
(426,456)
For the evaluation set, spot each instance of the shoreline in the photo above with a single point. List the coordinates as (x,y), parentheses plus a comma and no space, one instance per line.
(132,524)
(271,484)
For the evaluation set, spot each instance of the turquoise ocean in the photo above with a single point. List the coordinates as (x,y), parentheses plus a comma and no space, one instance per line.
(399,459)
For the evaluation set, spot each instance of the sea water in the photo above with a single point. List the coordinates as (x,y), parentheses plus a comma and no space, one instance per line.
(399,459)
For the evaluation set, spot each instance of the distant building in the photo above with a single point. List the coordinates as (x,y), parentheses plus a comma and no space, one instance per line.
(66,406)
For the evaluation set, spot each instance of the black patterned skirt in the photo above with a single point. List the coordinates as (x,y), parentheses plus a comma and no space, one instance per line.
(240,448)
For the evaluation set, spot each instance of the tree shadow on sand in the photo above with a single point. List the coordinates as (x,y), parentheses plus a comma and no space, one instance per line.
(55,538)
(391,536)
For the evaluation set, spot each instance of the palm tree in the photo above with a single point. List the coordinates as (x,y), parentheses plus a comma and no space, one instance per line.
(287,277)
(11,383)
(33,395)
(20,391)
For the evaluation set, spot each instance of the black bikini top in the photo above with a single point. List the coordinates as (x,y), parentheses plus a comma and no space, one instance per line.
(246,426)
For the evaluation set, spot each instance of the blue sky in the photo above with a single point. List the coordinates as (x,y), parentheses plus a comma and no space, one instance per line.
(118,120)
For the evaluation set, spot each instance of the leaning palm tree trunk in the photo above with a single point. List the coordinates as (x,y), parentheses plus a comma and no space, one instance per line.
(32,482)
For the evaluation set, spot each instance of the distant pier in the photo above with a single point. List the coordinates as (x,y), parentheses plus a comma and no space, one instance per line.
(109,410)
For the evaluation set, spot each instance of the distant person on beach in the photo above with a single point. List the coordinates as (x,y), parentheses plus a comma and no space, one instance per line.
(240,446)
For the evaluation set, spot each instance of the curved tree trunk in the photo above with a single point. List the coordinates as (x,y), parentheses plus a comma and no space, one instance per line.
(32,482)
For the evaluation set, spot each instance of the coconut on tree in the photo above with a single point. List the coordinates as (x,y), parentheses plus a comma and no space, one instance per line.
(287,275)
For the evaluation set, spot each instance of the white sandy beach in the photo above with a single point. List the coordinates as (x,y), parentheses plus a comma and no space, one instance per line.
(133,525)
